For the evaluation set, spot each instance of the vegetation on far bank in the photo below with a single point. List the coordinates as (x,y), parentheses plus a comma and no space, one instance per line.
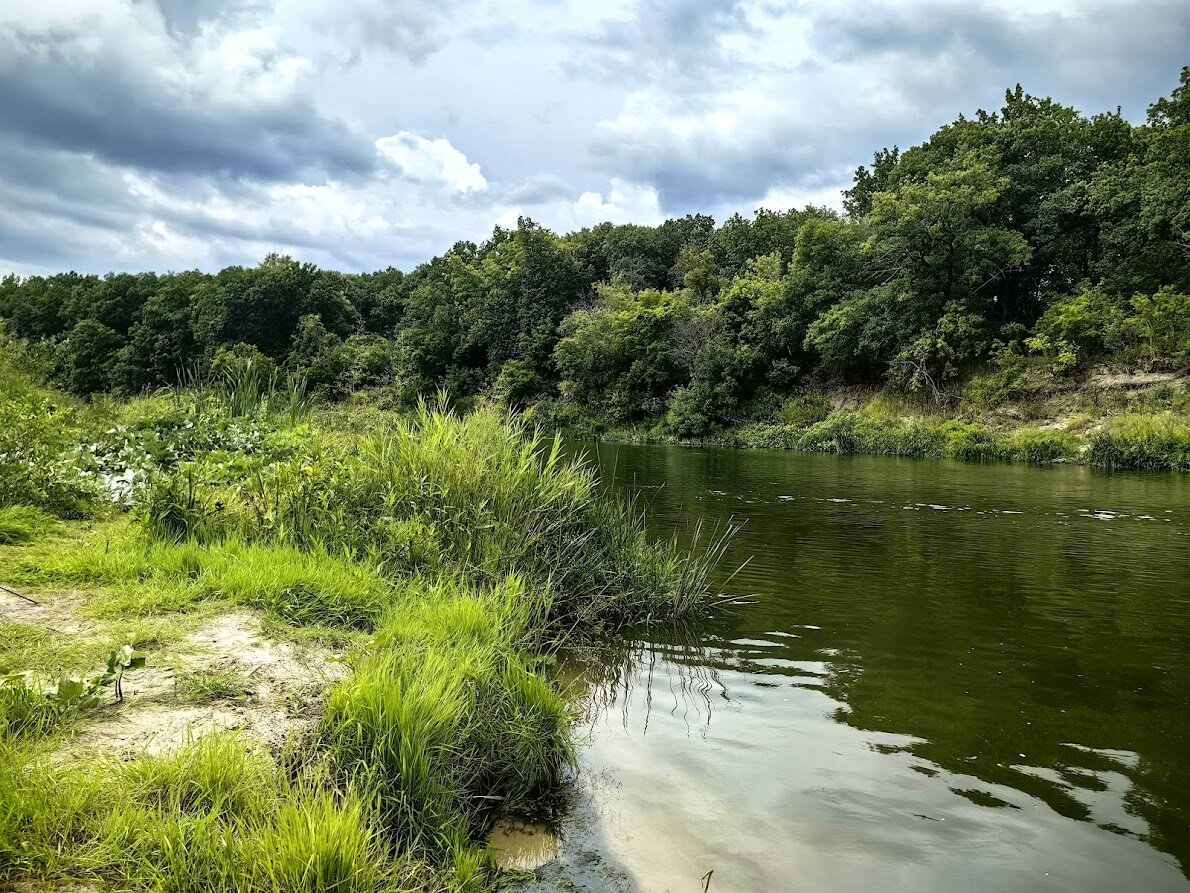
(444,558)
(1128,425)
(1004,257)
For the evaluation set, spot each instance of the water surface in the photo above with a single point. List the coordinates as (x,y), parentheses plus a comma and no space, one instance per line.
(949,676)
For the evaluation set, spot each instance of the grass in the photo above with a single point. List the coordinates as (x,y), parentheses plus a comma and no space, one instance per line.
(446,716)
(216,815)
(43,649)
(1152,442)
(211,685)
(451,555)
(479,496)
(1041,422)
(865,432)
(144,577)
(22,523)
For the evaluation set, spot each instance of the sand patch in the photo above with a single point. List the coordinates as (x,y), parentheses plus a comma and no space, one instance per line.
(57,612)
(282,697)
(1105,380)
(283,683)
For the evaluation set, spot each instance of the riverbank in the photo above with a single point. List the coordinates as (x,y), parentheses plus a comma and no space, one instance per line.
(327,638)
(1121,420)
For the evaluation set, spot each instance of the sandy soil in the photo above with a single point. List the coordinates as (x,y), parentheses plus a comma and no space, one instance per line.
(1105,379)
(282,698)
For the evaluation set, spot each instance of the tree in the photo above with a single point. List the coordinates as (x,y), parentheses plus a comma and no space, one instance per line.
(85,357)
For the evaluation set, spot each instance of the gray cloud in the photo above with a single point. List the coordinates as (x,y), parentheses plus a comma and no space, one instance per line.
(879,74)
(60,91)
(184,17)
(167,134)
(1104,53)
(413,29)
(680,41)
(538,189)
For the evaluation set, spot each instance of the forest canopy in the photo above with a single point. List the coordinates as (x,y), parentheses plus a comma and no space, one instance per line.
(1033,232)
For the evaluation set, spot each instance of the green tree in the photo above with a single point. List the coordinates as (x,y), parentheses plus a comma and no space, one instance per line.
(85,357)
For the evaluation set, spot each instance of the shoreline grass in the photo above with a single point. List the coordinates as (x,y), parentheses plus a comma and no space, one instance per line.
(1148,433)
(453,553)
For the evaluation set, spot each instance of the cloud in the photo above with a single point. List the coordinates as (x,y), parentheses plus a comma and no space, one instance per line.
(539,189)
(1095,54)
(413,29)
(823,89)
(683,40)
(108,79)
(432,161)
(138,134)
(625,203)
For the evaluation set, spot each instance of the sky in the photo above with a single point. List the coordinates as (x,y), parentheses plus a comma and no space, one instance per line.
(362,134)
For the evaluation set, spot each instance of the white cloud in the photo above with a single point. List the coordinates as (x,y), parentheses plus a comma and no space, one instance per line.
(625,203)
(432,161)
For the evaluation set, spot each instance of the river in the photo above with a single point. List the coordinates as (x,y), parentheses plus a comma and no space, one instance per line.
(937,676)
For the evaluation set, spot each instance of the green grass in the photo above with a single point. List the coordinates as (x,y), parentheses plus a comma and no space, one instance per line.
(445,716)
(450,555)
(875,430)
(143,577)
(22,523)
(40,648)
(1152,442)
(25,712)
(479,497)
(214,816)
(208,686)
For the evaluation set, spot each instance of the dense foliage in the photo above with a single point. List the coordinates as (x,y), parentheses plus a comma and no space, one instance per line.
(1033,232)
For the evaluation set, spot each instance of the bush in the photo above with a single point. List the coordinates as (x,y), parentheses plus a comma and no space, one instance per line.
(804,410)
(35,470)
(477,496)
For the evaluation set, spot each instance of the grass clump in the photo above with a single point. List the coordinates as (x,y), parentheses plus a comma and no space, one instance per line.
(215,816)
(445,717)
(479,496)
(22,523)
(1156,443)
(210,685)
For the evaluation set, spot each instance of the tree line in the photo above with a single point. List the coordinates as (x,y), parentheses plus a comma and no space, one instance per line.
(1031,234)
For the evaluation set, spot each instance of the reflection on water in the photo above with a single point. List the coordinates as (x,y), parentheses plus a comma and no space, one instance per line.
(522,844)
(949,675)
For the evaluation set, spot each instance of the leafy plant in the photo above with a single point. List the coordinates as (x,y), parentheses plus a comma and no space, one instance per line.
(30,705)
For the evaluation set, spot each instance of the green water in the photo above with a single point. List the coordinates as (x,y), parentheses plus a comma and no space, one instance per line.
(948,676)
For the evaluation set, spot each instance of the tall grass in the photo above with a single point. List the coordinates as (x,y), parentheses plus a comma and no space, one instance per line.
(22,523)
(445,717)
(215,816)
(466,547)
(478,496)
(868,432)
(1153,442)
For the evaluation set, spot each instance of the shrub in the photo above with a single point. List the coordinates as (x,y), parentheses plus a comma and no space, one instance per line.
(804,410)
(35,469)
